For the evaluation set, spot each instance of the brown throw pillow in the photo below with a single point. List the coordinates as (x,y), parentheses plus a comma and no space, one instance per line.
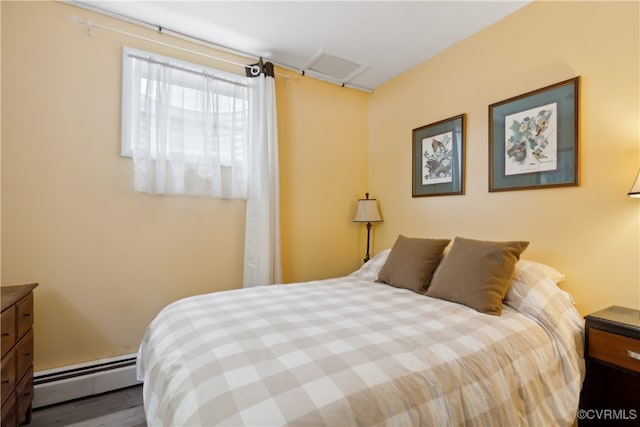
(411,262)
(477,273)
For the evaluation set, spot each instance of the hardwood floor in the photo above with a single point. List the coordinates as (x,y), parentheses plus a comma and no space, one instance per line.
(119,408)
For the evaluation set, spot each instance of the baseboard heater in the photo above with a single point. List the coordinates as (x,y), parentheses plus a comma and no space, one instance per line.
(85,379)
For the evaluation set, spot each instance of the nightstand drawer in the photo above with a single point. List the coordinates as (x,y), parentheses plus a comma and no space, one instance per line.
(615,349)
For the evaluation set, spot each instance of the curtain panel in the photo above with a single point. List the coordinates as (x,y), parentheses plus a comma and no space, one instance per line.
(262,263)
(202,132)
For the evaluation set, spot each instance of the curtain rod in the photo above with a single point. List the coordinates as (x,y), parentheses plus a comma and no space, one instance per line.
(158,28)
(188,38)
(90,25)
(188,70)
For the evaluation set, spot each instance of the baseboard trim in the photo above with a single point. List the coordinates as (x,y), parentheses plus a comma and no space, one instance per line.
(85,379)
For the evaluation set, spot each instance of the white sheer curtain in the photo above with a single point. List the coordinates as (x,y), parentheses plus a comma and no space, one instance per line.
(186,127)
(199,131)
(262,263)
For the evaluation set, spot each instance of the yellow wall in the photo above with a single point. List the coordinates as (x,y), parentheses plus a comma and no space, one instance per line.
(323,167)
(108,258)
(590,232)
(0,140)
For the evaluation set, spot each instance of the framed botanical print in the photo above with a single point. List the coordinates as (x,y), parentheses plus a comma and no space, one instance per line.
(438,158)
(533,139)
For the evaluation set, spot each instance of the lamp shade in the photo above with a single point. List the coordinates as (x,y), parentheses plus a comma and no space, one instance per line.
(367,211)
(635,188)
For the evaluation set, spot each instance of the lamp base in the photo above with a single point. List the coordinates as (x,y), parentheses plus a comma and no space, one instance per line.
(367,257)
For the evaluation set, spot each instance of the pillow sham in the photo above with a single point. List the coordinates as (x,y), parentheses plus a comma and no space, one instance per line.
(370,269)
(477,273)
(532,272)
(528,276)
(411,262)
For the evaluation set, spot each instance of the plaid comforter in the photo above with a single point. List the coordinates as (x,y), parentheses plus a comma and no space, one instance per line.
(347,351)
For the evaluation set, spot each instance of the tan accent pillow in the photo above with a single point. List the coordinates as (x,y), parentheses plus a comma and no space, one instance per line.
(477,273)
(411,262)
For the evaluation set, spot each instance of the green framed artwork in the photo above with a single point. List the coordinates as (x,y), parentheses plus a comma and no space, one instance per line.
(438,158)
(533,139)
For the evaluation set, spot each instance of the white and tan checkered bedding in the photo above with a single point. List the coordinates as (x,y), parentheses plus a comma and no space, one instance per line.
(352,352)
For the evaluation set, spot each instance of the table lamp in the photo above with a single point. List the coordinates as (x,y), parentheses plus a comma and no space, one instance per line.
(367,212)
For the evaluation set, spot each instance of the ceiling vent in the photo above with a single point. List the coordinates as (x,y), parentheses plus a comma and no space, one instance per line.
(333,67)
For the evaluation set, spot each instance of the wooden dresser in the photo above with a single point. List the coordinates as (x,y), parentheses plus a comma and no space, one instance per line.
(17,354)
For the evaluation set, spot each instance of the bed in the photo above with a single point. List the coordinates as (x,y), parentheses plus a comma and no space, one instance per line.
(358,350)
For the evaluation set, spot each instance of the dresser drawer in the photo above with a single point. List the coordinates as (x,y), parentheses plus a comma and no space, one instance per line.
(25,314)
(615,349)
(9,412)
(24,354)
(8,374)
(8,326)
(24,395)
(17,354)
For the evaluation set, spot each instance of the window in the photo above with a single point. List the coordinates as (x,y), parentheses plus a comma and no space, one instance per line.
(185,126)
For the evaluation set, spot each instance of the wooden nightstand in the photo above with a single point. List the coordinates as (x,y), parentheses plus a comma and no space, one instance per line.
(611,389)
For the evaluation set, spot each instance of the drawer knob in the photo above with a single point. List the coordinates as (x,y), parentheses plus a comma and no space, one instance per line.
(633,354)
(5,334)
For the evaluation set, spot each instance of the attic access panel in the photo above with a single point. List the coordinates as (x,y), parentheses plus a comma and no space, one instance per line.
(333,67)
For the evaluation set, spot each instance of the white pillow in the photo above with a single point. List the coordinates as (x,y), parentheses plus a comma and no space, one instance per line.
(531,272)
(533,286)
(370,269)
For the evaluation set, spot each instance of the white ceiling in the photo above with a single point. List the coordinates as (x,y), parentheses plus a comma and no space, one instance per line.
(386,37)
